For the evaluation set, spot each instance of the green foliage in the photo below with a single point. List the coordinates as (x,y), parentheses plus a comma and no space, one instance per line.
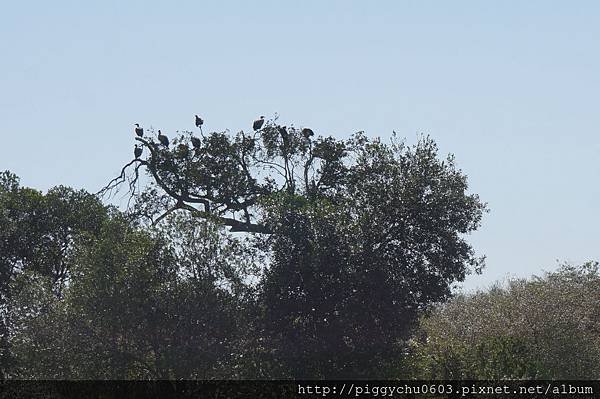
(37,235)
(357,239)
(137,307)
(354,265)
(544,328)
(37,230)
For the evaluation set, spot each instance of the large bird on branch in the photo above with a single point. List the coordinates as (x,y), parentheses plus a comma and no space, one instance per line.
(307,133)
(199,122)
(196,142)
(137,151)
(258,123)
(284,134)
(138,130)
(164,140)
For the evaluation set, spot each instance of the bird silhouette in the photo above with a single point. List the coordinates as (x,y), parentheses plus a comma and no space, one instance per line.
(138,130)
(196,142)
(137,151)
(199,121)
(284,134)
(258,123)
(164,140)
(306,132)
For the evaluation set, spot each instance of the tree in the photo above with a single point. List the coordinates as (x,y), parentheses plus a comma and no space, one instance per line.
(141,304)
(543,328)
(362,236)
(37,232)
(352,271)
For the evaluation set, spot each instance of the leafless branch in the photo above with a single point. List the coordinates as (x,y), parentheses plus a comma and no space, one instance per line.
(114,183)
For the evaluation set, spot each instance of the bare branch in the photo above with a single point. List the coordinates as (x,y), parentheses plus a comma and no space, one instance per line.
(114,183)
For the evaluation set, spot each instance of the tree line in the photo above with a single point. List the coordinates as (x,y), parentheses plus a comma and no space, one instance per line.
(271,254)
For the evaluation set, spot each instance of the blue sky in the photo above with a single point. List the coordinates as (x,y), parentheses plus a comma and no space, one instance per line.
(512,88)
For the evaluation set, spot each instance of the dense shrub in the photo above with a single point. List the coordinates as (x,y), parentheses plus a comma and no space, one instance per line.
(546,327)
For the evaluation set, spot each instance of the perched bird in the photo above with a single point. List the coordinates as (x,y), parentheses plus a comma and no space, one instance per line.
(137,151)
(306,132)
(164,140)
(258,123)
(138,130)
(196,142)
(199,121)
(284,134)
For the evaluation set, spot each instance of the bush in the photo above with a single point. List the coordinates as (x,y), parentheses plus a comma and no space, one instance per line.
(544,328)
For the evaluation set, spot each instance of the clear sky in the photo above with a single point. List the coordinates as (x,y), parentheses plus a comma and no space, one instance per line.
(512,88)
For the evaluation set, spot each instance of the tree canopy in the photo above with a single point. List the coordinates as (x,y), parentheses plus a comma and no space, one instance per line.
(361,236)
(541,328)
(137,307)
(235,178)
(37,235)
(272,254)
